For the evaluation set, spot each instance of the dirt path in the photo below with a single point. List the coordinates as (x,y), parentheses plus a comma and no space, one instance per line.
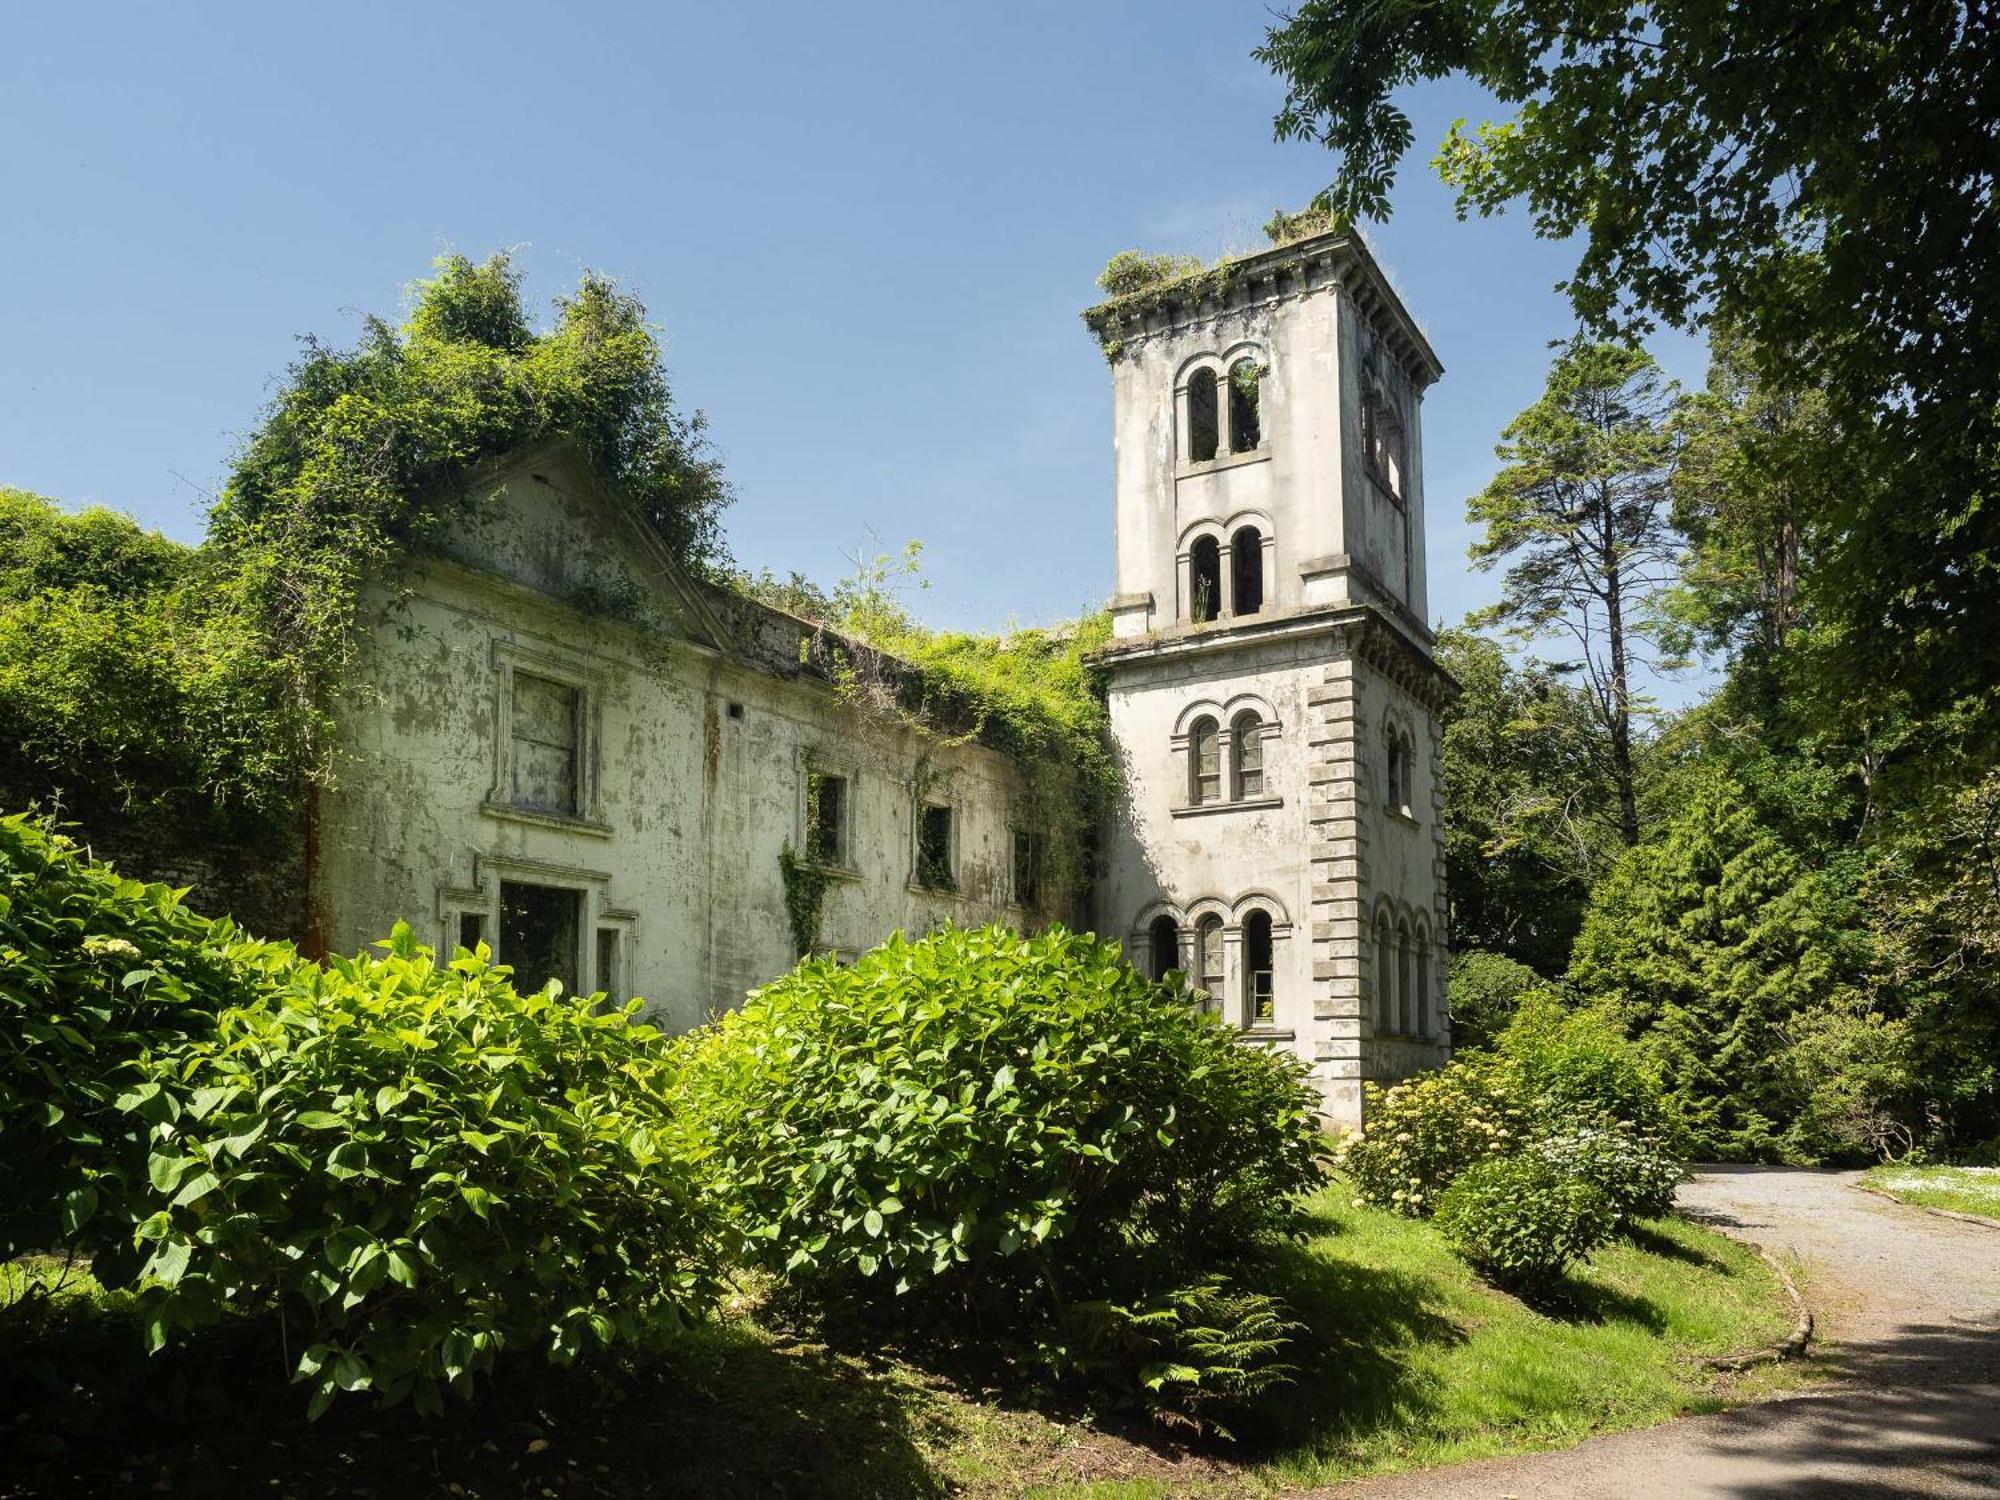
(1909,1330)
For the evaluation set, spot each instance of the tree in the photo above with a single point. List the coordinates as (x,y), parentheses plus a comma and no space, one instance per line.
(1581,508)
(1816,173)
(1709,940)
(1526,767)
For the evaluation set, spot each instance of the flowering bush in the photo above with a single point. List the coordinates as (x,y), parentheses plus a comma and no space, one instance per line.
(1521,1220)
(1632,1170)
(1424,1132)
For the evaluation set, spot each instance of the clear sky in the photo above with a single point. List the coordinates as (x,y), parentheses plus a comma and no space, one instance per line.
(866,230)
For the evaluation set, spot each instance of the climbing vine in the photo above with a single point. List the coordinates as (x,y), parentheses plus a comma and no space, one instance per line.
(806,882)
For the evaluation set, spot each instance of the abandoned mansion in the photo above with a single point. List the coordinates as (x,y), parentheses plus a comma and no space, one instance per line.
(559,743)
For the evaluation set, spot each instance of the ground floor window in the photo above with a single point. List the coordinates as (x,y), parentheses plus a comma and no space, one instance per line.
(1208,952)
(1262,996)
(610,965)
(539,931)
(1163,942)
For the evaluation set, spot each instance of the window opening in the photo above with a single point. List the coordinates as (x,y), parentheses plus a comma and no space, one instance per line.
(934,849)
(1205,759)
(471,930)
(1246,379)
(826,818)
(1405,991)
(1208,947)
(610,979)
(1385,975)
(545,717)
(538,934)
(1262,999)
(1204,579)
(1163,940)
(1247,733)
(1027,868)
(1399,773)
(1423,984)
(1246,571)
(1202,416)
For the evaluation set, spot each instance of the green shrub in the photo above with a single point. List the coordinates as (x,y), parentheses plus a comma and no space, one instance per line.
(418,1168)
(1135,270)
(1633,1171)
(95,971)
(1574,1066)
(1423,1132)
(1521,1220)
(1189,1357)
(983,1113)
(1484,991)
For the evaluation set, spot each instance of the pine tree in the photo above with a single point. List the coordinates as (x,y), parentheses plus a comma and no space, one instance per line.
(1708,939)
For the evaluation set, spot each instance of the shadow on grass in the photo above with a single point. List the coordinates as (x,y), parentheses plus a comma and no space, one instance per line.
(1570,1299)
(1668,1248)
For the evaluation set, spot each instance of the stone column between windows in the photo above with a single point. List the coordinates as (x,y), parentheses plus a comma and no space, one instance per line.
(1337,843)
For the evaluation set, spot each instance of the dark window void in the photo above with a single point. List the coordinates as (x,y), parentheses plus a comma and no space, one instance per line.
(1246,378)
(609,979)
(826,818)
(1247,734)
(538,934)
(1399,773)
(1261,1002)
(1385,975)
(1405,991)
(1423,984)
(1027,868)
(1163,941)
(1208,951)
(545,745)
(934,850)
(1205,762)
(471,930)
(1204,579)
(1246,571)
(1202,414)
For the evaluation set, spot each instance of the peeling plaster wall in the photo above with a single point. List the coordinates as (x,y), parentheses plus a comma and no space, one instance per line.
(686,806)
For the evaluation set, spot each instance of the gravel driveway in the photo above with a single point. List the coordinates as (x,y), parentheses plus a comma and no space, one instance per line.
(1908,1305)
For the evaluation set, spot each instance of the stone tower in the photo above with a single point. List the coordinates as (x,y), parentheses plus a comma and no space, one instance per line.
(1272,688)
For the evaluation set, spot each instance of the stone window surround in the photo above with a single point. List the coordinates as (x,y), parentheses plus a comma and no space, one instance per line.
(938,796)
(812,760)
(1235,1001)
(588,679)
(1224,533)
(481,898)
(1225,716)
(1220,365)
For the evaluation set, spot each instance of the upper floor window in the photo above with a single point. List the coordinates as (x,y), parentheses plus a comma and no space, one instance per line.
(1246,379)
(1163,946)
(936,836)
(1204,579)
(1246,734)
(1382,442)
(1202,416)
(1398,772)
(1246,571)
(546,725)
(826,818)
(1205,761)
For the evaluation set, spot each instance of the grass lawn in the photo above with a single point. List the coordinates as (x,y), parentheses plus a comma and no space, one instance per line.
(1409,1361)
(1966,1190)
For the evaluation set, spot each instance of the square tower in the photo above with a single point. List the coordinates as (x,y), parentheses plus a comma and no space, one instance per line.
(1272,690)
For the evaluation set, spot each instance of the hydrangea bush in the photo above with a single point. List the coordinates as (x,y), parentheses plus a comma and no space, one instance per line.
(1424,1132)
(1520,1220)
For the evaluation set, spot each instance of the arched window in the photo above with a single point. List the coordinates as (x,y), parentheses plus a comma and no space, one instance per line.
(1163,945)
(1208,956)
(1424,1027)
(1385,975)
(1405,991)
(1260,999)
(1246,733)
(1204,579)
(1394,776)
(1204,761)
(1202,414)
(1245,379)
(1246,571)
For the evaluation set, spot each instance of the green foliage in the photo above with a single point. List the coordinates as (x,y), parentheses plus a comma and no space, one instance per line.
(986,1116)
(1634,1172)
(805,894)
(1576,1065)
(1135,270)
(96,973)
(419,1169)
(1520,1220)
(1179,278)
(1189,1357)
(1707,941)
(1317,217)
(1426,1130)
(1484,992)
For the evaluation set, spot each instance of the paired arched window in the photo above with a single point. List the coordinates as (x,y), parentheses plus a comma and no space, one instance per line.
(1246,736)
(1163,943)
(1204,761)
(1204,579)
(1246,379)
(1202,412)
(1260,992)
(1246,571)
(1208,958)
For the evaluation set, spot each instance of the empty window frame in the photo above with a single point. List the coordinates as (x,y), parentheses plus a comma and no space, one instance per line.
(1027,868)
(546,721)
(1204,579)
(1260,1004)
(1424,1027)
(1208,956)
(827,818)
(540,927)
(1397,772)
(1246,571)
(1204,762)
(1246,378)
(1163,947)
(1246,735)
(1382,443)
(936,868)
(611,963)
(1406,1006)
(469,930)
(1203,415)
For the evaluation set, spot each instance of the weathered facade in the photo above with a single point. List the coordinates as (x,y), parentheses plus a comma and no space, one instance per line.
(559,744)
(1273,694)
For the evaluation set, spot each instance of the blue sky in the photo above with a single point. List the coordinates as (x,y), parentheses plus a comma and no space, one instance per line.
(865,229)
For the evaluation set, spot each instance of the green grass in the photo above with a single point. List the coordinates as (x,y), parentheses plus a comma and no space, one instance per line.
(1409,1361)
(1965,1190)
